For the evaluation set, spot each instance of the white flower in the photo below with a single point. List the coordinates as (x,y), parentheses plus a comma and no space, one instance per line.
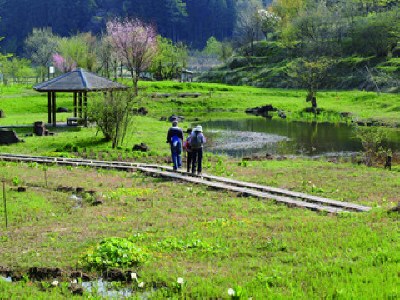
(180,280)
(231,292)
(134,275)
(54,283)
(141,284)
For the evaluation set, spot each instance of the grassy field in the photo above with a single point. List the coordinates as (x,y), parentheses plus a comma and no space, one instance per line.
(214,240)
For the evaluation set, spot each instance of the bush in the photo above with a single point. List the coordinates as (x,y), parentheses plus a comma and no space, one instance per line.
(114,252)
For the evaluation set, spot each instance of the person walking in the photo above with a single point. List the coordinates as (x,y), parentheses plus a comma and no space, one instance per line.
(188,149)
(175,138)
(197,139)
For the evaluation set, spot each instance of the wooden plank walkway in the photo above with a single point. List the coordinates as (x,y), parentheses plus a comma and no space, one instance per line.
(293,199)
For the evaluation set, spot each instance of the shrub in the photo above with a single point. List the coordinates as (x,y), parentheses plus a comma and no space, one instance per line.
(114,252)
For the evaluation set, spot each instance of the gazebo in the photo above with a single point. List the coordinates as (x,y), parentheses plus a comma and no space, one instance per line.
(79,82)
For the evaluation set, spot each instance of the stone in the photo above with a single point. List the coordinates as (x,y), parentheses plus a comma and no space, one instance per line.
(261,111)
(21,189)
(140,111)
(176,118)
(140,147)
(39,128)
(62,109)
(9,137)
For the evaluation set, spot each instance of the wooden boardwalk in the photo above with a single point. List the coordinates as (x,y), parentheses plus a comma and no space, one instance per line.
(290,198)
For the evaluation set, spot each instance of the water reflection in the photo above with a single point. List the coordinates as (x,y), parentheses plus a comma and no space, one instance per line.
(280,137)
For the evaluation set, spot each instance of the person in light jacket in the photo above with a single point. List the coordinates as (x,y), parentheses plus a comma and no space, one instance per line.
(197,140)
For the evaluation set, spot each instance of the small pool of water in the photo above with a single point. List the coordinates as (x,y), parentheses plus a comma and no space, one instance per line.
(257,135)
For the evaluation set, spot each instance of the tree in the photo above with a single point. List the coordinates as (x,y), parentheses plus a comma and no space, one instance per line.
(107,58)
(3,62)
(135,44)
(79,50)
(63,64)
(248,24)
(170,59)
(112,112)
(269,21)
(40,46)
(376,34)
(16,68)
(310,74)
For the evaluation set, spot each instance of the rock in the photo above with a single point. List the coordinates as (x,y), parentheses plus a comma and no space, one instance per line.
(140,111)
(97,202)
(281,114)
(143,111)
(116,275)
(38,273)
(76,289)
(21,189)
(395,209)
(79,274)
(140,147)
(187,95)
(9,137)
(176,118)
(160,95)
(346,114)
(62,109)
(261,111)
(39,128)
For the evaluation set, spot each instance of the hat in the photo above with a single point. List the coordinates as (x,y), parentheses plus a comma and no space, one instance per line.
(198,128)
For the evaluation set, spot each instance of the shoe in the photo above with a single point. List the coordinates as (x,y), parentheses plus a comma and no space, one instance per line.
(199,174)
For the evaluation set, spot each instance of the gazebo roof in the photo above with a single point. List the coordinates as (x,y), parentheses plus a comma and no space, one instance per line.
(78,80)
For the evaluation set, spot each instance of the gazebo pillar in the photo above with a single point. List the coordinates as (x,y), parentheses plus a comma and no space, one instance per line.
(80,104)
(54,109)
(49,107)
(85,107)
(75,105)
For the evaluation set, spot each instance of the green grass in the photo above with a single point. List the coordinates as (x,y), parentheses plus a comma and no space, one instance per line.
(25,106)
(214,240)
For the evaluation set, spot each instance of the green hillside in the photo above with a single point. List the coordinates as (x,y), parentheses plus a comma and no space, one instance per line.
(271,64)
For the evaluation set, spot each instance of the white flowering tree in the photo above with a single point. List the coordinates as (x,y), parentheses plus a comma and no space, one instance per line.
(135,44)
(269,21)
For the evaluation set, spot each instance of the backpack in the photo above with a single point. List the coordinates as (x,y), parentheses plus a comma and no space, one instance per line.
(175,142)
(196,141)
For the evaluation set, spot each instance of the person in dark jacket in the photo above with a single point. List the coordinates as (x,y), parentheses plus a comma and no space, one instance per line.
(175,138)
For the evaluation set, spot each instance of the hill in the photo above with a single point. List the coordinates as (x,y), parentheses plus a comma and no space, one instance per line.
(271,65)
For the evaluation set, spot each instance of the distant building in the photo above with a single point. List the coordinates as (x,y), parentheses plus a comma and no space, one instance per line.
(186,75)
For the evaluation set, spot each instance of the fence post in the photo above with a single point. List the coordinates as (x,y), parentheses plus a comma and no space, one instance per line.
(5,201)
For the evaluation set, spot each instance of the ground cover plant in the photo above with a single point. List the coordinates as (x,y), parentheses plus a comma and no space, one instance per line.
(174,239)
(214,240)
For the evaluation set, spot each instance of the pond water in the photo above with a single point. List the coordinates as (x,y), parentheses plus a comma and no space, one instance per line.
(259,136)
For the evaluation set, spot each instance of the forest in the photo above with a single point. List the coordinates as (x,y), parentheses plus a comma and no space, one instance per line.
(191,21)
(259,43)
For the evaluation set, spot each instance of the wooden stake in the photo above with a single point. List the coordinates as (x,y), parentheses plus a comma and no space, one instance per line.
(5,202)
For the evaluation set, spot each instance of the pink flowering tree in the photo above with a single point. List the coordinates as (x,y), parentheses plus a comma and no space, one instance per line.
(135,44)
(62,64)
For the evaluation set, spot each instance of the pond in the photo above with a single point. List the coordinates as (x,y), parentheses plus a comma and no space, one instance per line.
(261,136)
